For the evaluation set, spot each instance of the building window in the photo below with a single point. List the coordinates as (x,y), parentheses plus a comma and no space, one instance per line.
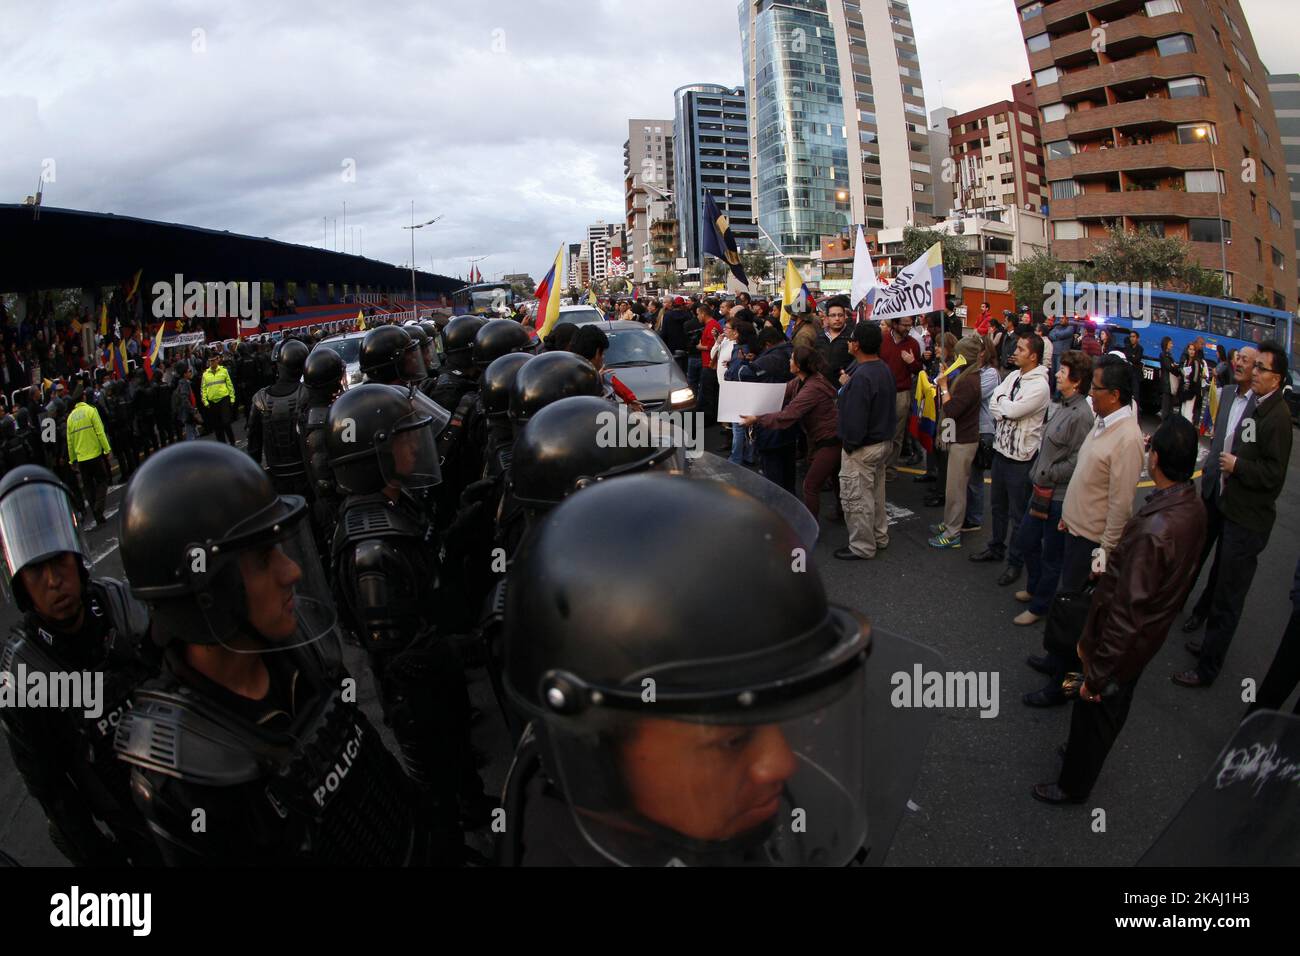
(1261,132)
(1274,216)
(1156,8)
(1060,149)
(1037,44)
(1047,77)
(1188,133)
(1203,181)
(1031,11)
(1155,228)
(1250,93)
(1176,44)
(1055,112)
(1064,189)
(1279,261)
(1242,57)
(1269,176)
(1209,230)
(1187,86)
(1067,229)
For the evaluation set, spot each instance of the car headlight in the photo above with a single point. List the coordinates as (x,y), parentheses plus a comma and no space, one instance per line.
(681,396)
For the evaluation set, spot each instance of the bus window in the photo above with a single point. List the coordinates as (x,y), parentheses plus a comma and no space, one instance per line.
(1225,322)
(1194,316)
(1163,312)
(1257,329)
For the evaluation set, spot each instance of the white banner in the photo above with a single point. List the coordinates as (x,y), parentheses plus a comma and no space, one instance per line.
(736,399)
(916,290)
(189,338)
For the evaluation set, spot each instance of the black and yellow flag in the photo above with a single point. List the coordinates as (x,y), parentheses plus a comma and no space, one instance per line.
(720,241)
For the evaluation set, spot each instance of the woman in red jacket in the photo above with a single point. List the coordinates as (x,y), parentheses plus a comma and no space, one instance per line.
(810,402)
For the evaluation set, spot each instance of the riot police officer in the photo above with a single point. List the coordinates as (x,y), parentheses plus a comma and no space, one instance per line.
(382,449)
(689,731)
(390,356)
(273,422)
(72,624)
(143,401)
(322,383)
(459,373)
(121,430)
(249,749)
(53,435)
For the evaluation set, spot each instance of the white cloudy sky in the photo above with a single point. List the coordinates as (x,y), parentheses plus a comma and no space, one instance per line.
(505,117)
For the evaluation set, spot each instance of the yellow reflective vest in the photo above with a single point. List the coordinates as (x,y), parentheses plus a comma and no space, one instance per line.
(86,438)
(217,385)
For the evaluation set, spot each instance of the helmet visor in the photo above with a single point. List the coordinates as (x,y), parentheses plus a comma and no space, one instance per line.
(775,789)
(410,364)
(408,455)
(264,590)
(36,523)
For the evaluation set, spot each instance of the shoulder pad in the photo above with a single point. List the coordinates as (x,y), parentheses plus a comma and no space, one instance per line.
(21,648)
(130,616)
(170,734)
(370,516)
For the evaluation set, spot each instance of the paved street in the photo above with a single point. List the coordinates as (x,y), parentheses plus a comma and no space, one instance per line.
(972,799)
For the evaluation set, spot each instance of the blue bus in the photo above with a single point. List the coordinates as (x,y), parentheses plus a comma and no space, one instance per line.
(491,299)
(1224,324)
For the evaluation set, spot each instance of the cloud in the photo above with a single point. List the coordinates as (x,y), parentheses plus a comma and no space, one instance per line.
(505,117)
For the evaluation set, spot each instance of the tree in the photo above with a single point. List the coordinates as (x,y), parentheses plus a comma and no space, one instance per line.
(757,264)
(714,272)
(524,290)
(955,255)
(1142,256)
(669,279)
(1032,279)
(1260,297)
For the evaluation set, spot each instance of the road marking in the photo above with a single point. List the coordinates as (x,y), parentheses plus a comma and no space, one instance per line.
(112,546)
(897,514)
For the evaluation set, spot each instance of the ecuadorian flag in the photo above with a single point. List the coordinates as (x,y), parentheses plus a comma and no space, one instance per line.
(548,297)
(923,422)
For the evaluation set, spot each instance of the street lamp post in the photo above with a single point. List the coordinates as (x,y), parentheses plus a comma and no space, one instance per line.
(413,227)
(1203,132)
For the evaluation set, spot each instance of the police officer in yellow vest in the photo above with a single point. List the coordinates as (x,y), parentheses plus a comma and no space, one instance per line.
(219,398)
(88,450)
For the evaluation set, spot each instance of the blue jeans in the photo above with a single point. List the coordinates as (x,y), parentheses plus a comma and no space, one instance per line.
(975,492)
(1011,489)
(742,449)
(1042,543)
(693,367)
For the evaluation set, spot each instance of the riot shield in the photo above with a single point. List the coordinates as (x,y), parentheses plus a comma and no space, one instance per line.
(896,736)
(711,467)
(1246,812)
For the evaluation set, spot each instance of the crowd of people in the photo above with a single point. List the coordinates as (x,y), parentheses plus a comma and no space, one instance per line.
(449,513)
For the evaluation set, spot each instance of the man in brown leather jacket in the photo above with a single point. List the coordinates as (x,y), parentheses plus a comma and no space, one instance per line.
(1146,580)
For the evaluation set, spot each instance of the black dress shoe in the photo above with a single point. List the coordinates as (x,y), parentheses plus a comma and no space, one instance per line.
(1193,624)
(1193,648)
(1044,698)
(1009,576)
(1053,794)
(926,479)
(1041,663)
(1190,679)
(848,554)
(986,556)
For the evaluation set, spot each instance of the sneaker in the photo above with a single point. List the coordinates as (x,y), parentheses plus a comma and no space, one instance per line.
(968,528)
(946,541)
(940,528)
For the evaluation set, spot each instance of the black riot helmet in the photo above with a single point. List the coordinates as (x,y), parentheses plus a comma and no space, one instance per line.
(37,522)
(382,436)
(416,331)
(238,569)
(549,378)
(497,338)
(290,355)
(323,372)
(693,730)
(459,335)
(389,355)
(576,442)
(498,379)
(430,329)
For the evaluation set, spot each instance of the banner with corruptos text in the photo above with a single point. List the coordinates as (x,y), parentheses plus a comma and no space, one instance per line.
(915,290)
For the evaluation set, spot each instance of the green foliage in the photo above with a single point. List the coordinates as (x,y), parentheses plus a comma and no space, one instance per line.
(955,256)
(1031,277)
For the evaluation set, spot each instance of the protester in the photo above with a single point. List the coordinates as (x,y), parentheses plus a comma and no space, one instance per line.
(774,446)
(1098,502)
(1042,540)
(866,424)
(1171,378)
(961,400)
(990,378)
(902,356)
(710,330)
(810,402)
(1146,580)
(1018,406)
(1233,403)
(1254,462)
(833,341)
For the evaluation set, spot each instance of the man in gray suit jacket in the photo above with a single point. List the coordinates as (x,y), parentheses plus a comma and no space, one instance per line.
(1235,404)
